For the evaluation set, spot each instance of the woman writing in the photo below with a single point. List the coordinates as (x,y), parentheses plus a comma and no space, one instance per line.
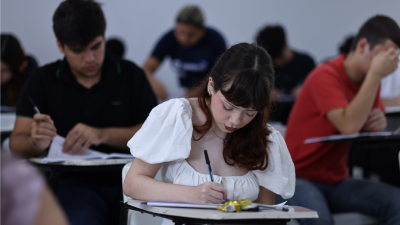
(229,117)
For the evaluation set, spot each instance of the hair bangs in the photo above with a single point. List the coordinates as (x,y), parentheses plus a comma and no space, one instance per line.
(247,90)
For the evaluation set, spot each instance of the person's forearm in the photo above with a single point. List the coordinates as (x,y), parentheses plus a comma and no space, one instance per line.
(158,87)
(356,113)
(148,189)
(118,137)
(23,146)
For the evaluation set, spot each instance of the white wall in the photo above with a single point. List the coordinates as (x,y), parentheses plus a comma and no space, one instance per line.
(313,26)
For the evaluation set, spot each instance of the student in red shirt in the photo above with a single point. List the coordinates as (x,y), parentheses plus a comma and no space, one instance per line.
(342,97)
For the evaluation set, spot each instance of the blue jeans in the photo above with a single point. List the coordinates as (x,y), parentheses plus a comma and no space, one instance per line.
(85,203)
(379,200)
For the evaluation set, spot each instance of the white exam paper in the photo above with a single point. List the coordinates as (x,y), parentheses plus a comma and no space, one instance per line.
(56,155)
(346,136)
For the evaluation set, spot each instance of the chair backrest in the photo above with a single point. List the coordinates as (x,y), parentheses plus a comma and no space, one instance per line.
(124,172)
(137,218)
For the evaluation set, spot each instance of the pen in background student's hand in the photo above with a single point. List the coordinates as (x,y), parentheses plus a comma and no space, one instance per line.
(34,106)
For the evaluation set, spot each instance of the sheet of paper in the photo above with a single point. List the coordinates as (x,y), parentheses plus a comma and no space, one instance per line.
(56,155)
(7,122)
(346,136)
(392,109)
(200,206)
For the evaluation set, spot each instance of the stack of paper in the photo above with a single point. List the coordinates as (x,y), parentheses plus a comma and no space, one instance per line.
(56,155)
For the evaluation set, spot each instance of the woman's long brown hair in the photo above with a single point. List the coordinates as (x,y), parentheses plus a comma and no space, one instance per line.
(13,55)
(245,76)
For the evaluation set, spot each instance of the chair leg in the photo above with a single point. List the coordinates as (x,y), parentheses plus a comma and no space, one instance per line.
(123,215)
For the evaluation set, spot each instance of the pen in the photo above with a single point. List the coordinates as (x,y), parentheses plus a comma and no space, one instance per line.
(209,166)
(34,106)
(284,208)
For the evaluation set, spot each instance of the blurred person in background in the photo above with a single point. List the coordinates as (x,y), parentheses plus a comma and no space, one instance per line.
(15,69)
(390,89)
(342,96)
(192,47)
(291,67)
(115,47)
(25,198)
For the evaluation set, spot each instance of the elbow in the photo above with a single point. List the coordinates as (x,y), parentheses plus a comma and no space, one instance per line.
(126,189)
(18,146)
(15,149)
(129,189)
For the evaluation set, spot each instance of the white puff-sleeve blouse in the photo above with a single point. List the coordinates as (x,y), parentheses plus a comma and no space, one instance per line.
(166,135)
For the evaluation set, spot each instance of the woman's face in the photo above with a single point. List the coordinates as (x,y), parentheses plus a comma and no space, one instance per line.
(227,116)
(6,73)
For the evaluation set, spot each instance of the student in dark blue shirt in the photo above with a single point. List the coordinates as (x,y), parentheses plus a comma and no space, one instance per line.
(192,47)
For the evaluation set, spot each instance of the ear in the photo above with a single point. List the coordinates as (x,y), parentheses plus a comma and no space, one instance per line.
(362,46)
(60,47)
(211,83)
(23,66)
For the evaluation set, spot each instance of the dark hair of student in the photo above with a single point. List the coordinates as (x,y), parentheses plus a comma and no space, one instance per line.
(76,23)
(272,39)
(376,30)
(13,55)
(191,15)
(345,47)
(116,47)
(245,76)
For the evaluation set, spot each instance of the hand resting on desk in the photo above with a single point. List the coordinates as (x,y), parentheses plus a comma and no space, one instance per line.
(81,137)
(376,121)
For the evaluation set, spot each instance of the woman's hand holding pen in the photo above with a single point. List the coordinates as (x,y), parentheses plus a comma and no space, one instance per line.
(42,131)
(209,192)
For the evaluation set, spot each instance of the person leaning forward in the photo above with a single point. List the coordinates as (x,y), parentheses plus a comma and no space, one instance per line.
(342,97)
(90,98)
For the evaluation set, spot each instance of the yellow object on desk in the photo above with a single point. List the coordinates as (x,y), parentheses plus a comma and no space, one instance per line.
(236,205)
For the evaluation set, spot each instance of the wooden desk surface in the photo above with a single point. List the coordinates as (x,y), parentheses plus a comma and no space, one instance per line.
(295,212)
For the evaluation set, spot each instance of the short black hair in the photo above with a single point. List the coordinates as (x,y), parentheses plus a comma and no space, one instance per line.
(78,22)
(272,39)
(116,47)
(345,47)
(376,30)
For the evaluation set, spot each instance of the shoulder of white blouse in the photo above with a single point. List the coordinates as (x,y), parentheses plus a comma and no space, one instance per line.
(168,127)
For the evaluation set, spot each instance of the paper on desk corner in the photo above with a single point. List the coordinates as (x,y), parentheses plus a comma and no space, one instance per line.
(7,121)
(346,136)
(56,155)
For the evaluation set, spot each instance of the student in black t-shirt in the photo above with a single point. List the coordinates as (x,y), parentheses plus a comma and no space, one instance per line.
(192,47)
(93,100)
(291,67)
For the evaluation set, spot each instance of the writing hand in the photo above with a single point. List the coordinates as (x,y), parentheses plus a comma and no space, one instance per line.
(210,192)
(42,131)
(81,137)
